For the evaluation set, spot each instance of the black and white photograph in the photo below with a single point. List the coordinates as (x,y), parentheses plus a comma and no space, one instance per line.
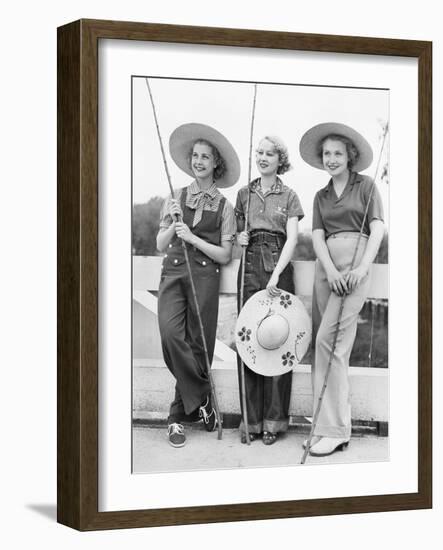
(260,274)
(219,267)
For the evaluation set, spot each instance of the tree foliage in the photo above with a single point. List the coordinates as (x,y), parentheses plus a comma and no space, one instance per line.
(145,220)
(304,249)
(146,217)
(383,256)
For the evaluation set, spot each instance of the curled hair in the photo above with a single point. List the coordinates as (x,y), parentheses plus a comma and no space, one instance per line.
(219,161)
(283,155)
(351,149)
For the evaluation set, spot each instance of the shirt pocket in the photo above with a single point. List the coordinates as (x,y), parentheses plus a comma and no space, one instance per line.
(281,213)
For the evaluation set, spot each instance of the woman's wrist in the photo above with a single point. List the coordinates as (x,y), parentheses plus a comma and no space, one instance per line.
(330,269)
(364,265)
(193,239)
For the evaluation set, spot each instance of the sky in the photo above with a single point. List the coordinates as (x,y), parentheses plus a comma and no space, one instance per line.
(287,111)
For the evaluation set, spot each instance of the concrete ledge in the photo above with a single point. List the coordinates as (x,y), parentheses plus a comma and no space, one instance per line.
(301,424)
(153,389)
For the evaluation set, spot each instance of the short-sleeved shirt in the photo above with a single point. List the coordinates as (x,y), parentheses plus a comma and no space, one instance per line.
(345,213)
(268,211)
(202,200)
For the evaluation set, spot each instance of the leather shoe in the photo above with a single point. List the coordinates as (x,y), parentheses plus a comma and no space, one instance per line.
(269,438)
(252,437)
(328,445)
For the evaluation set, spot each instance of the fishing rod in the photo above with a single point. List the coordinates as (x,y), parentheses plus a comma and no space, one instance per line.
(340,311)
(242,274)
(188,265)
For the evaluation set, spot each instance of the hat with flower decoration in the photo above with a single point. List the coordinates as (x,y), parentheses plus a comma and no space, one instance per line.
(272,334)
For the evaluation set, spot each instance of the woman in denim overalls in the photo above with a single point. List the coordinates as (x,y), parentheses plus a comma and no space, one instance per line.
(338,216)
(274,211)
(207,226)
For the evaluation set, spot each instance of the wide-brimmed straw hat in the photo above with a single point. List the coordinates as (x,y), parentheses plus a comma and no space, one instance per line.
(310,142)
(183,138)
(272,334)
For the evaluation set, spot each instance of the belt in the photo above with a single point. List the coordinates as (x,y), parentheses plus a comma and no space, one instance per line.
(347,235)
(269,237)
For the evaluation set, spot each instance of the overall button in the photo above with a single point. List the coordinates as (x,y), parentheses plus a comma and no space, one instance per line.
(175,261)
(217,270)
(203,262)
(170,245)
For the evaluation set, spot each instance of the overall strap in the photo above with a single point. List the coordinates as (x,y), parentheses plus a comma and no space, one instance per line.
(183,197)
(221,207)
(187,215)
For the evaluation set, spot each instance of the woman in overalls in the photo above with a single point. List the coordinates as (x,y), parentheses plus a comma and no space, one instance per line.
(338,215)
(207,226)
(273,215)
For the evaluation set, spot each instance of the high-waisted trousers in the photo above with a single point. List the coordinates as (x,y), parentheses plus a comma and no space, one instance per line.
(335,413)
(267,397)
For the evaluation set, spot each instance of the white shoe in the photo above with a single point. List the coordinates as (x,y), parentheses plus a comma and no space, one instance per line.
(328,445)
(315,439)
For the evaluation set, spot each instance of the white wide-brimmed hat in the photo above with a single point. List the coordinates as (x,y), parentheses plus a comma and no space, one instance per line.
(183,138)
(272,334)
(311,140)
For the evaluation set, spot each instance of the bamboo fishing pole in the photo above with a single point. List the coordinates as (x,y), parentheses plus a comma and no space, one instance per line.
(191,279)
(242,274)
(340,311)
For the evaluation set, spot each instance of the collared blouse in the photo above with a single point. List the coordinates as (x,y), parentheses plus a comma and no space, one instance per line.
(345,213)
(201,200)
(267,211)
